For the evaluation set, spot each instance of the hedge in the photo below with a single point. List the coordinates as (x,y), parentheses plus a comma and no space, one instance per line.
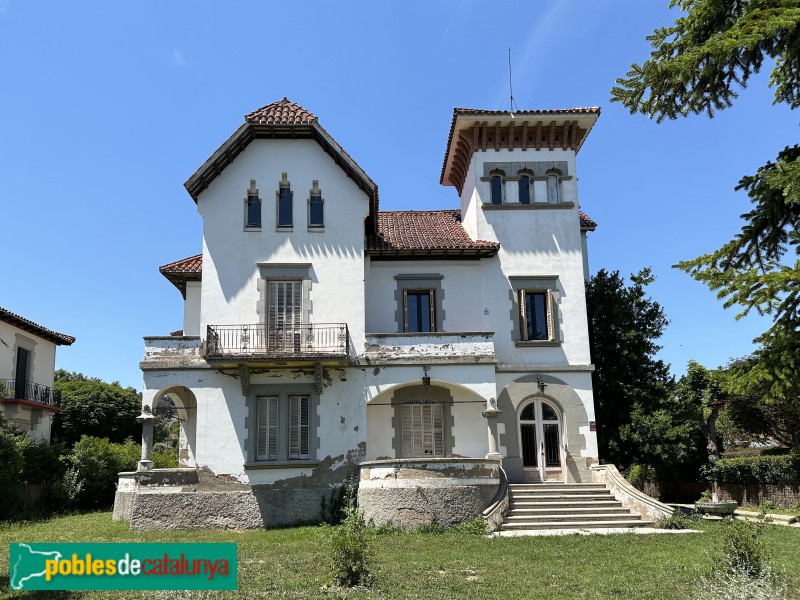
(759,470)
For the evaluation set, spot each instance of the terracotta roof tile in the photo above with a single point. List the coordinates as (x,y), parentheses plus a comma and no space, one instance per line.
(584,110)
(587,224)
(193,264)
(425,232)
(16,320)
(282,112)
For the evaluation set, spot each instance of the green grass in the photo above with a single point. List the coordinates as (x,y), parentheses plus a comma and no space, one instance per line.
(291,563)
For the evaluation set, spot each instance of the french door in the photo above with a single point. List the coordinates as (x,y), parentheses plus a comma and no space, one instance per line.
(540,441)
(284,315)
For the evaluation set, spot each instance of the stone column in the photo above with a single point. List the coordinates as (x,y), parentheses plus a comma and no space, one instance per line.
(490,414)
(146,419)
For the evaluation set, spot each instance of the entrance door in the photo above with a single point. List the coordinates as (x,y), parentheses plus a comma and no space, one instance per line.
(540,438)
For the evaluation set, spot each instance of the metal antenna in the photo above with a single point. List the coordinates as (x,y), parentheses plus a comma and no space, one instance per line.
(512,104)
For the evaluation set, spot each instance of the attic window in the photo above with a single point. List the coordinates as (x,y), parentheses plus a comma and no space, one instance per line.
(284,202)
(316,213)
(252,209)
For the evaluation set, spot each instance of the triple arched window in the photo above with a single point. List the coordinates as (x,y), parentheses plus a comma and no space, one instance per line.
(525,188)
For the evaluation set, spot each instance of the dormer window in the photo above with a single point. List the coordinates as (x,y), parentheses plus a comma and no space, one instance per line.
(284,203)
(316,213)
(497,187)
(252,209)
(524,188)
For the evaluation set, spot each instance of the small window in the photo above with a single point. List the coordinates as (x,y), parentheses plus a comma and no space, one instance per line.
(535,315)
(284,202)
(253,211)
(553,189)
(524,189)
(497,189)
(267,448)
(315,211)
(418,311)
(423,430)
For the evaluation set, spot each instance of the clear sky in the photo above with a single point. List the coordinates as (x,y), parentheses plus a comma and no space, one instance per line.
(106,108)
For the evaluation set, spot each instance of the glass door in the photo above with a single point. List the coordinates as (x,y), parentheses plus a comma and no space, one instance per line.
(540,441)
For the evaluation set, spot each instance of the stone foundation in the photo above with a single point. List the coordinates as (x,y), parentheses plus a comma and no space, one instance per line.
(414,492)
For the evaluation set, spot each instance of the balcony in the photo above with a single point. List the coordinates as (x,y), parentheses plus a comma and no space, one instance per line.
(293,345)
(468,347)
(18,389)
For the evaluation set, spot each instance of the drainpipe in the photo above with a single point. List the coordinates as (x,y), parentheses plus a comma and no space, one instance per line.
(490,414)
(146,419)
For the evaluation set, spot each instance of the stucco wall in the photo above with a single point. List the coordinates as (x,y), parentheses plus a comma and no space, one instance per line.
(191,308)
(230,293)
(42,358)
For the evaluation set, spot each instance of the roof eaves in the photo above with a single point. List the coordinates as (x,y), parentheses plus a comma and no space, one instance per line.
(60,339)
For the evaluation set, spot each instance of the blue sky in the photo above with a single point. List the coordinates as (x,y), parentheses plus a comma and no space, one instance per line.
(106,108)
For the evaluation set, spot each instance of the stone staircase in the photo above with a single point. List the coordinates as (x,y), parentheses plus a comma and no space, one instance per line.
(566,506)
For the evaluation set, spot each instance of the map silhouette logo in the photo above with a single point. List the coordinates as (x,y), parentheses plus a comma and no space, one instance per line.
(27,563)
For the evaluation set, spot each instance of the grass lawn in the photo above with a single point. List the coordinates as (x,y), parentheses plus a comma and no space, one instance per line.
(291,563)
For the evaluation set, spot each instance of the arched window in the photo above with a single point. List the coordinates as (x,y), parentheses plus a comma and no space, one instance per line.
(497,187)
(553,187)
(524,189)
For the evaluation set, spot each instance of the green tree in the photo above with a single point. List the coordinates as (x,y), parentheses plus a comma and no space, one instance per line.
(92,407)
(703,388)
(639,418)
(12,462)
(697,66)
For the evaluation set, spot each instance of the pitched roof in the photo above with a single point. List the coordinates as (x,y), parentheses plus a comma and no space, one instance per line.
(283,119)
(425,233)
(16,320)
(282,112)
(181,271)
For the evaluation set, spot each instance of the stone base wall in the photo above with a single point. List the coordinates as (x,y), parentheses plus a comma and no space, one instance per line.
(174,508)
(409,493)
(784,496)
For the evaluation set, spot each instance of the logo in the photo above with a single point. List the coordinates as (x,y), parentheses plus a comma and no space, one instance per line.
(122,566)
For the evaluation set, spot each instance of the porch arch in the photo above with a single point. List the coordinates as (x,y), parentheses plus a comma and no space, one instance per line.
(186,407)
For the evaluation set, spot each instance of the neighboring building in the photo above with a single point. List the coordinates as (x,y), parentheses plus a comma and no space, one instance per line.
(27,361)
(321,334)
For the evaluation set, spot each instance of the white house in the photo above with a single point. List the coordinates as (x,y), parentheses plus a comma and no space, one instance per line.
(27,361)
(425,348)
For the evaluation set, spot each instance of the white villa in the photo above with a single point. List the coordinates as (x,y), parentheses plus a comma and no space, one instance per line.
(27,362)
(437,355)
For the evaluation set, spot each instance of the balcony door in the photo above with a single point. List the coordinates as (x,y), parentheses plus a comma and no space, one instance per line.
(540,438)
(284,316)
(21,373)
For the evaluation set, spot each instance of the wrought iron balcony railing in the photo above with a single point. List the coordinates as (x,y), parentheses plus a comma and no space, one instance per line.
(19,389)
(309,340)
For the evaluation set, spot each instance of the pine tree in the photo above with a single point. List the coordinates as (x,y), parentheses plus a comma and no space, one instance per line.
(698,65)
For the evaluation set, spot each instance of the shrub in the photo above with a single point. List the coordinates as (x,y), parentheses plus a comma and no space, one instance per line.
(44,462)
(761,470)
(743,550)
(350,552)
(97,463)
(12,462)
(639,475)
(677,520)
(740,586)
(164,458)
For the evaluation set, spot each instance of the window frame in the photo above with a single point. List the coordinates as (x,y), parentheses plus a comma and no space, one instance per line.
(431,293)
(545,284)
(251,199)
(525,319)
(292,439)
(500,176)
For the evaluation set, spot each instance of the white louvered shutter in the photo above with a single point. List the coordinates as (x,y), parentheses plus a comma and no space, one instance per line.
(267,447)
(298,426)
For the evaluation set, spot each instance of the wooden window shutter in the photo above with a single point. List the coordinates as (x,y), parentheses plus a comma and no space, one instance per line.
(405,311)
(298,426)
(432,303)
(523,322)
(267,446)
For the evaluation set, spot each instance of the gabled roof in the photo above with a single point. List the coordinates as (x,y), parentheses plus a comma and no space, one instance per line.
(418,233)
(16,320)
(283,119)
(470,128)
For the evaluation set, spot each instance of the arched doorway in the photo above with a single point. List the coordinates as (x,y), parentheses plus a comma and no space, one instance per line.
(540,435)
(185,410)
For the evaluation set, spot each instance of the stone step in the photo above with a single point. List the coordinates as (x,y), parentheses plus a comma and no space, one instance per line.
(566,504)
(559,497)
(531,525)
(568,510)
(569,518)
(567,487)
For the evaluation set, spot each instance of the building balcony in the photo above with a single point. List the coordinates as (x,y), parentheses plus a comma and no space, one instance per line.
(430,348)
(18,390)
(292,345)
